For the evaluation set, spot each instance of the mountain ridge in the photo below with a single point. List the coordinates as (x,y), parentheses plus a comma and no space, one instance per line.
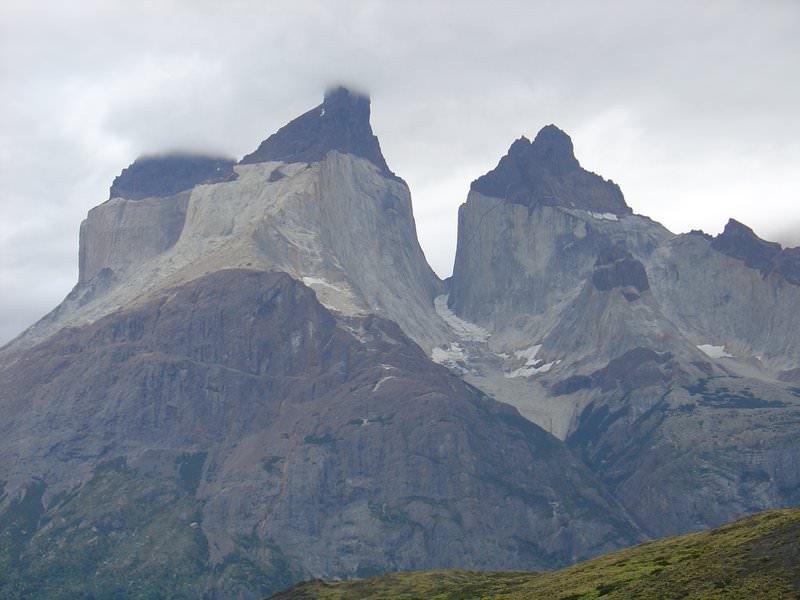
(267,367)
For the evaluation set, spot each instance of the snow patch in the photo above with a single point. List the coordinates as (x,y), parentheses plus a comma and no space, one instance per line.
(453,357)
(310,281)
(604,216)
(714,351)
(453,353)
(541,367)
(529,354)
(464,329)
(532,366)
(332,296)
(381,382)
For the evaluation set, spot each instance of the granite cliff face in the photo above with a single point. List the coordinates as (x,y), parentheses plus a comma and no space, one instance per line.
(298,205)
(665,361)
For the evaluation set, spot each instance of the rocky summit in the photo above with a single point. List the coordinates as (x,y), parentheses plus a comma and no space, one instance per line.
(258,378)
(340,123)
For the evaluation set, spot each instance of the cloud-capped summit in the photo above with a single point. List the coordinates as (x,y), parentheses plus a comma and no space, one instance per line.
(340,123)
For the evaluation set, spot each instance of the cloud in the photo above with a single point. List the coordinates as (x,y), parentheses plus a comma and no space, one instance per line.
(690,106)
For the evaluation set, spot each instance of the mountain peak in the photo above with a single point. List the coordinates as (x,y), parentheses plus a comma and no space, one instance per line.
(554,147)
(342,97)
(340,123)
(545,171)
(740,242)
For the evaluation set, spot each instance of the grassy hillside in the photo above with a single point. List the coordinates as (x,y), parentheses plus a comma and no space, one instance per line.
(757,557)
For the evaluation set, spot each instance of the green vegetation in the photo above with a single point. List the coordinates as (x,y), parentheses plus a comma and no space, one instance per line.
(757,557)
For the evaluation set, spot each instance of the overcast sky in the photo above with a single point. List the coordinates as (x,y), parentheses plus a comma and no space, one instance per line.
(692,107)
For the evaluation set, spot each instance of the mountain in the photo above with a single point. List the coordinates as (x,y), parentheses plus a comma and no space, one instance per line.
(669,363)
(755,557)
(296,205)
(258,379)
(237,395)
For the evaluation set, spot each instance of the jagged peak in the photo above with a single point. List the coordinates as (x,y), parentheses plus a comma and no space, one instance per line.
(161,175)
(343,99)
(551,148)
(519,147)
(734,227)
(340,123)
(739,241)
(546,172)
(554,147)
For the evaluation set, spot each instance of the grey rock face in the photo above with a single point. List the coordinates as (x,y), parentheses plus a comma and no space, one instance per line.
(717,299)
(787,264)
(664,360)
(683,457)
(284,436)
(120,234)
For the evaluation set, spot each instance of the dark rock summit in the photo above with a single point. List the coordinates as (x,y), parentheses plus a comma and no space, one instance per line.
(161,176)
(740,242)
(546,172)
(340,123)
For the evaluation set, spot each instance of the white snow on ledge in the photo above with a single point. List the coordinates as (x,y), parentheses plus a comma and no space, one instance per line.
(451,354)
(714,351)
(532,366)
(532,370)
(338,298)
(453,357)
(604,216)
(309,281)
(464,329)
